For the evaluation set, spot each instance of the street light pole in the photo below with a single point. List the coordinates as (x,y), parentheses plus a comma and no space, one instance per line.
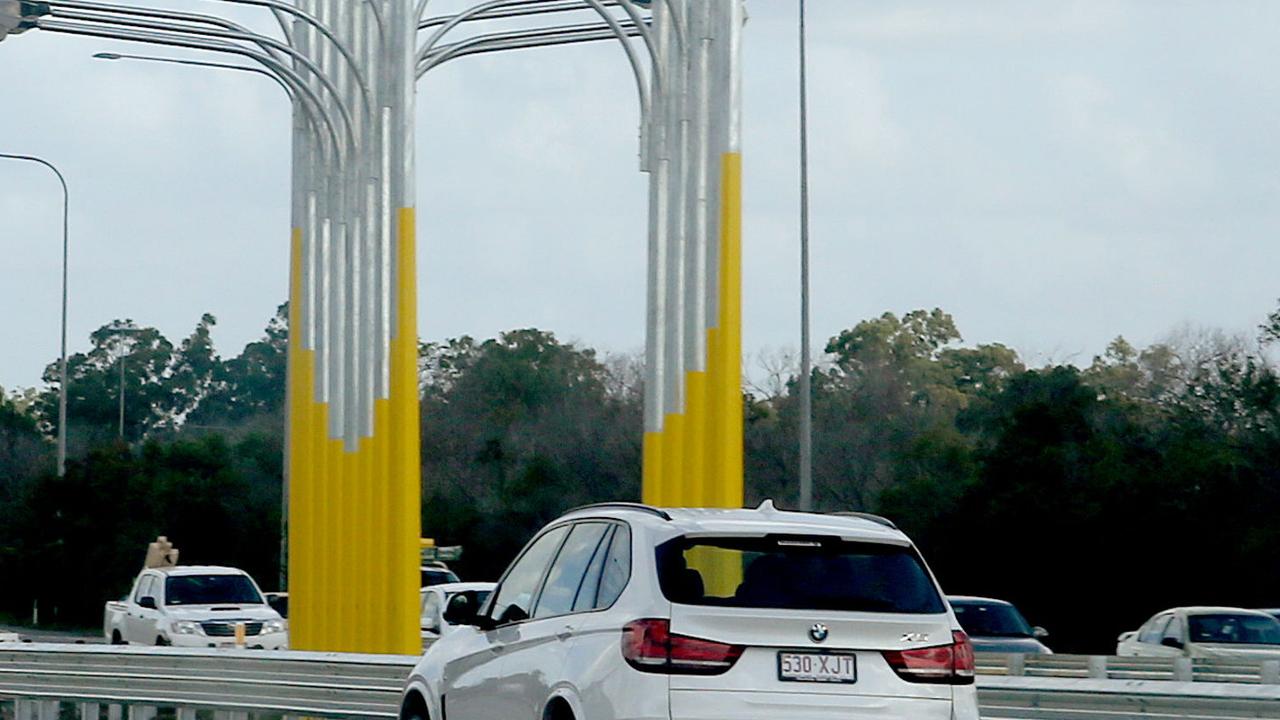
(62,360)
(121,432)
(806,391)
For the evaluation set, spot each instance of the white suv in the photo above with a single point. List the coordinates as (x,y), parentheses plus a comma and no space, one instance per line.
(622,611)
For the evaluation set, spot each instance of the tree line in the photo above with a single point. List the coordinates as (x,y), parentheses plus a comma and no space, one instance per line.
(1091,496)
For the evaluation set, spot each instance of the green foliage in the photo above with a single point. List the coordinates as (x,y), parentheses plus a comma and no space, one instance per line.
(515,431)
(1146,480)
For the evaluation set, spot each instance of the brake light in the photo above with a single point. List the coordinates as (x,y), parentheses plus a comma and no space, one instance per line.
(649,645)
(952,664)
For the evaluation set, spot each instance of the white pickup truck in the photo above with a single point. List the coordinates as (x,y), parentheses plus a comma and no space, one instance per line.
(195,606)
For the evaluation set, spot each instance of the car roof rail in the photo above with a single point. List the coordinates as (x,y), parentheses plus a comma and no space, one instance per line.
(638,507)
(877,519)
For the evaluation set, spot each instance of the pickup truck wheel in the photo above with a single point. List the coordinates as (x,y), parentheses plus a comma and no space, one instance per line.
(116,639)
(161,642)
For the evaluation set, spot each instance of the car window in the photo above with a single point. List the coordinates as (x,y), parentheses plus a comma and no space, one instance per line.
(1173,630)
(617,568)
(797,573)
(1234,629)
(430,607)
(515,595)
(145,588)
(1150,633)
(590,588)
(211,590)
(569,569)
(986,619)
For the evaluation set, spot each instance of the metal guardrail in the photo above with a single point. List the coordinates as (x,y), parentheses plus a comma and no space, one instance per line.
(1131,668)
(1040,698)
(59,682)
(135,682)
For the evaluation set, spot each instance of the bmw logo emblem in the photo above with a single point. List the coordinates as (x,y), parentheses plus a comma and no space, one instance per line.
(818,632)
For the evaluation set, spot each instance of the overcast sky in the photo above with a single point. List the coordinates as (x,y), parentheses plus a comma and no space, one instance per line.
(1053,174)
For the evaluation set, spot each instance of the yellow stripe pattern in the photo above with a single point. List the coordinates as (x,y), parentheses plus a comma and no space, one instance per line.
(696,459)
(354,517)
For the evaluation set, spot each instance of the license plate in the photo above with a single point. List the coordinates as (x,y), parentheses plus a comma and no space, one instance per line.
(817,667)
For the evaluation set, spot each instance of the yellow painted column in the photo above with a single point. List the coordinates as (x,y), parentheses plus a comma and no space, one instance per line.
(651,469)
(726,396)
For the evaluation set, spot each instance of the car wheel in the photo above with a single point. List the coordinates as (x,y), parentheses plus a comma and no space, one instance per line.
(116,639)
(414,708)
(161,642)
(558,710)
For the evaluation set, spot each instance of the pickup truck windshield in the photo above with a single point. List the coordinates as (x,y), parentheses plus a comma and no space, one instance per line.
(210,590)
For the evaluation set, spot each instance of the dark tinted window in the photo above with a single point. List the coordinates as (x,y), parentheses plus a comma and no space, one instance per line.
(617,568)
(515,596)
(568,570)
(210,590)
(796,573)
(981,619)
(1234,629)
(437,576)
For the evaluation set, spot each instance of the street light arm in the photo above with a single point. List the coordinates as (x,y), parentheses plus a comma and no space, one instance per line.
(177,40)
(62,361)
(525,9)
(56,6)
(313,21)
(256,39)
(519,40)
(495,8)
(312,120)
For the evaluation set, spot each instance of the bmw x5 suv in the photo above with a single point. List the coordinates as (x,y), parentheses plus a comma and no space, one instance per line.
(628,612)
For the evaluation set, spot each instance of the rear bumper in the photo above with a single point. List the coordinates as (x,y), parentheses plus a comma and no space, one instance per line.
(741,705)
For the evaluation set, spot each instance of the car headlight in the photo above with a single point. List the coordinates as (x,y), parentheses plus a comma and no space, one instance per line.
(185,627)
(275,626)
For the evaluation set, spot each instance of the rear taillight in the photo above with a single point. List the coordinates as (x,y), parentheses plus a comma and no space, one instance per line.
(650,646)
(951,664)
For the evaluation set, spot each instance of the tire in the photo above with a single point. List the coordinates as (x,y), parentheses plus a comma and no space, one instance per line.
(116,639)
(161,642)
(414,708)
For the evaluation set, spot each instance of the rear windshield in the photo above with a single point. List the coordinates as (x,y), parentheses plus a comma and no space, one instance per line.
(990,619)
(796,573)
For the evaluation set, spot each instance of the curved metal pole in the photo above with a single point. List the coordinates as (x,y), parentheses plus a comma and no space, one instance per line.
(298,57)
(62,361)
(312,120)
(311,20)
(638,20)
(213,20)
(218,46)
(496,42)
(524,9)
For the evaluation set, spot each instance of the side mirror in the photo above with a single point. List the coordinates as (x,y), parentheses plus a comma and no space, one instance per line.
(461,610)
(1039,633)
(1174,643)
(147,602)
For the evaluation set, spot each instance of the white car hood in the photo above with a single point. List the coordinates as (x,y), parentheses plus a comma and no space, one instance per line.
(207,612)
(1234,652)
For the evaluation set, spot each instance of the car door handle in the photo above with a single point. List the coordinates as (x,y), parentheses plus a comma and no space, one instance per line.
(565,633)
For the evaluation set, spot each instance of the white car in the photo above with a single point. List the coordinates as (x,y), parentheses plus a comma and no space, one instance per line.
(195,606)
(1205,632)
(622,611)
(437,598)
